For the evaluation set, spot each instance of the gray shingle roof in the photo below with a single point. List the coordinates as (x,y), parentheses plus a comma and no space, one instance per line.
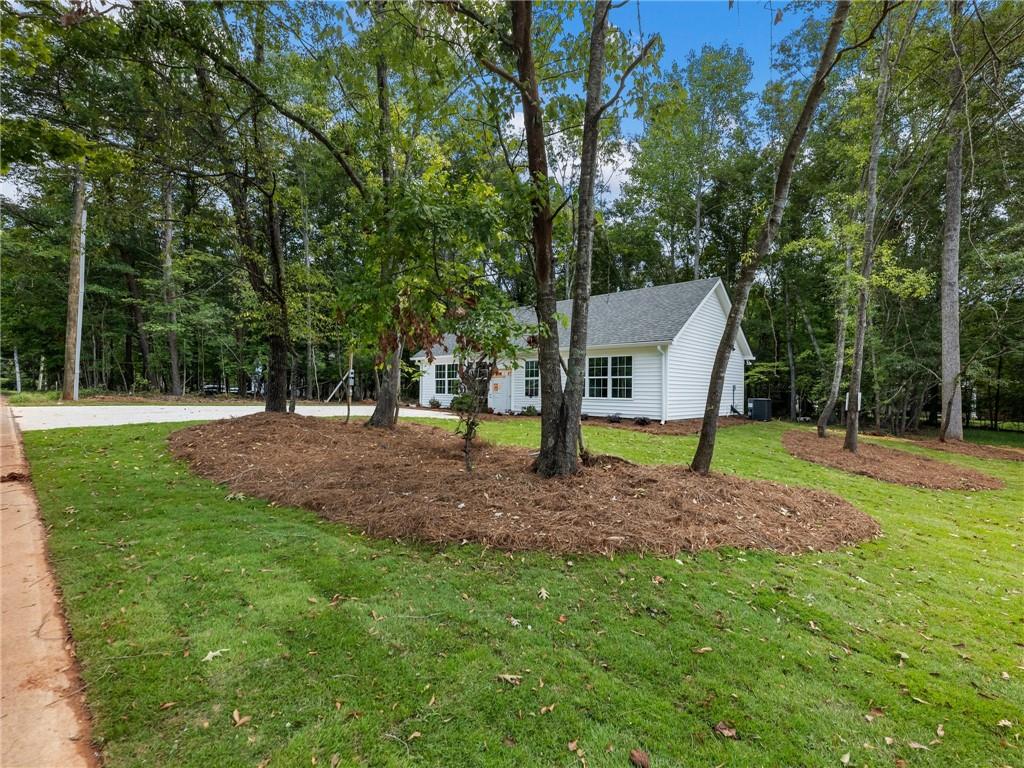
(639,316)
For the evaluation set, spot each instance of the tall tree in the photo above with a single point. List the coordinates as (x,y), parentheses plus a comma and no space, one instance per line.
(741,291)
(952,409)
(76,288)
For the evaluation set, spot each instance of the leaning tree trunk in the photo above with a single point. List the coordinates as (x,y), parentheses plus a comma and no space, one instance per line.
(837,369)
(741,292)
(76,267)
(561,456)
(950,292)
(870,208)
(169,293)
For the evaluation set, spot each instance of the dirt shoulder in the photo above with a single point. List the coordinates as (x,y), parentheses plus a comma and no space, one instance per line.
(883,463)
(44,721)
(410,483)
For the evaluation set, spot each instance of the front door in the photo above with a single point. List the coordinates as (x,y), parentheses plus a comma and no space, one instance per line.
(499,395)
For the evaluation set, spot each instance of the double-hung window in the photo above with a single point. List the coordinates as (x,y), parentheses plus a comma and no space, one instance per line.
(597,377)
(446,379)
(610,377)
(531,373)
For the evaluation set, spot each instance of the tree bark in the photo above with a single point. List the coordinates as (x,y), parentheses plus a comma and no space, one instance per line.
(789,354)
(76,286)
(385,411)
(867,260)
(741,292)
(167,243)
(837,368)
(560,446)
(17,372)
(279,337)
(41,382)
(950,288)
(698,233)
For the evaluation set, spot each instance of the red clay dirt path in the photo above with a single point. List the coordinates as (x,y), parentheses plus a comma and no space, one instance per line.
(43,720)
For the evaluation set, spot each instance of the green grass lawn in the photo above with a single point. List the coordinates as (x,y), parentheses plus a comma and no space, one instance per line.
(158,568)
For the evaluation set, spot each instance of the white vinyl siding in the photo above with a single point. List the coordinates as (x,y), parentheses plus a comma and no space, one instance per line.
(690,359)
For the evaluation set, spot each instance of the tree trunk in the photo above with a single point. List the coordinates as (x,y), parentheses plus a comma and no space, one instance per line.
(867,260)
(950,291)
(837,368)
(385,411)
(76,290)
(17,372)
(169,293)
(41,382)
(741,291)
(560,445)
(698,233)
(789,355)
(279,337)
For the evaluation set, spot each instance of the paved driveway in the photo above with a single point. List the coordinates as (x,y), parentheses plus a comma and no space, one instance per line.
(57,416)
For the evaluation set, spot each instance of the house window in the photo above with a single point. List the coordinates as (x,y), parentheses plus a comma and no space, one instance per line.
(610,376)
(446,379)
(622,376)
(597,377)
(531,370)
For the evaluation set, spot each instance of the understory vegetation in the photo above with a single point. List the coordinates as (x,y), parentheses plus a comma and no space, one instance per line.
(218,630)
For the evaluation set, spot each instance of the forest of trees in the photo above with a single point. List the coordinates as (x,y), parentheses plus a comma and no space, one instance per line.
(263,189)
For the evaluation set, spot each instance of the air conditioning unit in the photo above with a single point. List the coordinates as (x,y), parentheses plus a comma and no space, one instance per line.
(759,408)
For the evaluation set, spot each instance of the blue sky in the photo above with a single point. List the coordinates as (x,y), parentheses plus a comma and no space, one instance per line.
(686,25)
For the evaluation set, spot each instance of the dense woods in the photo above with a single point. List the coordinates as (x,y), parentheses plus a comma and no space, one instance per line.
(258,192)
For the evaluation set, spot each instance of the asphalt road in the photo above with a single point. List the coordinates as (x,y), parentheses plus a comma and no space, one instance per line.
(58,416)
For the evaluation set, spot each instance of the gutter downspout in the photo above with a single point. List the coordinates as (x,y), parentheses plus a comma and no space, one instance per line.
(664,381)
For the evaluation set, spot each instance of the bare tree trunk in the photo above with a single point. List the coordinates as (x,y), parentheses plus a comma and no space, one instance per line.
(950,291)
(76,288)
(280,335)
(169,292)
(837,368)
(789,354)
(741,292)
(385,412)
(876,380)
(698,231)
(17,372)
(870,208)
(561,458)
(41,382)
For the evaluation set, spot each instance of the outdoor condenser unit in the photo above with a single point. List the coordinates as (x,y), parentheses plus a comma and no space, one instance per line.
(759,409)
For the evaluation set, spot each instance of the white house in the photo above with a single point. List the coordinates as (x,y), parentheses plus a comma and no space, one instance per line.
(649,353)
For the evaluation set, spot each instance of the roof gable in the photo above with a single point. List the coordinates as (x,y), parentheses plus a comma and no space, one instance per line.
(639,316)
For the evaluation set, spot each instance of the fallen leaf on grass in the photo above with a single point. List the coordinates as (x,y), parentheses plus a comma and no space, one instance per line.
(873,713)
(335,760)
(562,619)
(722,728)
(639,758)
(511,679)
(940,731)
(543,594)
(547,709)
(845,759)
(915,745)
(211,655)
(1004,723)
(889,741)
(239,719)
(312,599)
(414,735)
(168,704)
(704,649)
(572,745)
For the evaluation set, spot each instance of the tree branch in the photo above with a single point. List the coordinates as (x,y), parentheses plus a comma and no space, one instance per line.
(625,76)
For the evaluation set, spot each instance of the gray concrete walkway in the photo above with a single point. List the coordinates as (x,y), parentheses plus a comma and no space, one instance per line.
(57,416)
(43,722)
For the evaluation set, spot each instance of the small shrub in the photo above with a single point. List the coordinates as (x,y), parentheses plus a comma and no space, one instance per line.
(614,418)
(530,410)
(435,403)
(641,421)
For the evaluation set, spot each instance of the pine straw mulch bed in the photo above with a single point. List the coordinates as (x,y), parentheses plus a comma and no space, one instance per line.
(977,450)
(410,483)
(883,463)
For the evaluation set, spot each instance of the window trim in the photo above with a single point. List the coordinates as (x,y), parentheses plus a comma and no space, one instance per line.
(531,379)
(451,373)
(609,379)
